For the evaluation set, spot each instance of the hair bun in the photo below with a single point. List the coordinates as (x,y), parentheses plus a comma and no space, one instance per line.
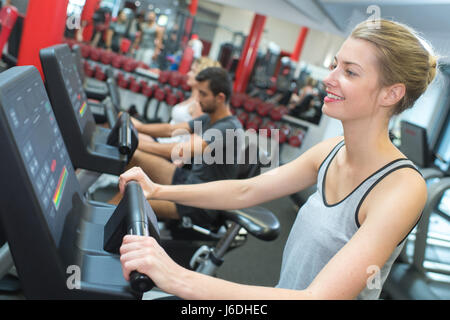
(432,62)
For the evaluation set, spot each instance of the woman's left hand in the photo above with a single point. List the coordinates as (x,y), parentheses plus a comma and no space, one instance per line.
(145,255)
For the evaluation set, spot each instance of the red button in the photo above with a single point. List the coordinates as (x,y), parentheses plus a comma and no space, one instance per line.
(53,167)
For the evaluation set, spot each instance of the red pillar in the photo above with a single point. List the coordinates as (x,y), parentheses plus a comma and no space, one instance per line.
(188,54)
(249,53)
(193,7)
(295,56)
(189,22)
(44,26)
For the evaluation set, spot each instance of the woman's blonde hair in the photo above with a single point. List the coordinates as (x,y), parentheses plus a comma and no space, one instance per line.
(205,62)
(403,56)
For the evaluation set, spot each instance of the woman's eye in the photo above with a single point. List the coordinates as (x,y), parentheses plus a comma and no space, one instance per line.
(332,66)
(350,73)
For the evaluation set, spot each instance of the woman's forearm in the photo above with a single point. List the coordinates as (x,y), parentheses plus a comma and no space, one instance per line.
(196,286)
(220,195)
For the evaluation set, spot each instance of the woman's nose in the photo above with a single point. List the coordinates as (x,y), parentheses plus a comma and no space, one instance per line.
(331,79)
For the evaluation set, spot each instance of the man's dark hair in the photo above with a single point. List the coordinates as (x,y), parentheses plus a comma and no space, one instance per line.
(219,81)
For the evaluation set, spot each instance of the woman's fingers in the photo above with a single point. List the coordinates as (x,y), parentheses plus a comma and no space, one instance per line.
(133,174)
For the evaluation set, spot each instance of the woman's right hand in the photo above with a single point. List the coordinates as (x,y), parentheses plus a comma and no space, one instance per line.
(138,175)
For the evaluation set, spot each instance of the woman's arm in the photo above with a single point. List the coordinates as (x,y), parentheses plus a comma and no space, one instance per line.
(146,256)
(236,194)
(343,277)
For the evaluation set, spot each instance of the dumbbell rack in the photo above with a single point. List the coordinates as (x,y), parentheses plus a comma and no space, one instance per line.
(152,94)
(294,135)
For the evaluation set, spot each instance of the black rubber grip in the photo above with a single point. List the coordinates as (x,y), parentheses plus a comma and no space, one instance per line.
(137,225)
(140,282)
(125,135)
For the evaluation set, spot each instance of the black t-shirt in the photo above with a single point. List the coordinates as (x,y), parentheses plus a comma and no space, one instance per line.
(219,159)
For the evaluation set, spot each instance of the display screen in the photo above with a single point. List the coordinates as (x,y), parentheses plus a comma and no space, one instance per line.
(41,147)
(73,86)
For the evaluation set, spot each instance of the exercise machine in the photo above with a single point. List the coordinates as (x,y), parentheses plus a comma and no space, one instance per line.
(90,146)
(63,246)
(422,270)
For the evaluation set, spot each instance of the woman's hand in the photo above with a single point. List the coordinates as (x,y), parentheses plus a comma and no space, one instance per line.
(145,255)
(138,175)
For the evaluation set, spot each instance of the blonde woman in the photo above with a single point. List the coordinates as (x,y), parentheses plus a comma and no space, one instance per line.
(354,223)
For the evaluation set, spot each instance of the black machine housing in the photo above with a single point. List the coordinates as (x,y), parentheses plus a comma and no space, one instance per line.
(89,145)
(56,236)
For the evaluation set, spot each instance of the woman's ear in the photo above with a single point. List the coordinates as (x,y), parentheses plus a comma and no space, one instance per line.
(393,94)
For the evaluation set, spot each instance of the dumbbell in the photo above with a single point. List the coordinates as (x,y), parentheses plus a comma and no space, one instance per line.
(135,86)
(163,77)
(279,135)
(267,128)
(159,95)
(237,100)
(118,61)
(147,90)
(180,95)
(95,54)
(122,81)
(183,83)
(89,70)
(85,51)
(253,122)
(296,138)
(243,117)
(171,99)
(175,79)
(129,65)
(278,112)
(263,109)
(100,73)
(142,65)
(107,57)
(251,104)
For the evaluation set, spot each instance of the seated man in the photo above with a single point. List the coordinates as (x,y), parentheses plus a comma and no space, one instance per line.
(207,145)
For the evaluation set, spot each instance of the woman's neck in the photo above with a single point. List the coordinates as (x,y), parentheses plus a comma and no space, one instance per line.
(367,141)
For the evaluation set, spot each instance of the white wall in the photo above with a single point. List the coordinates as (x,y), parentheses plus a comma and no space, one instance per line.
(231,19)
(318,45)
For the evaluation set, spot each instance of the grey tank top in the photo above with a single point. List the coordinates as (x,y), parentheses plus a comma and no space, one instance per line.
(321,230)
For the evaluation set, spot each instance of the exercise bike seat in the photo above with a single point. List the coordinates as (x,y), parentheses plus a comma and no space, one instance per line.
(258,221)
